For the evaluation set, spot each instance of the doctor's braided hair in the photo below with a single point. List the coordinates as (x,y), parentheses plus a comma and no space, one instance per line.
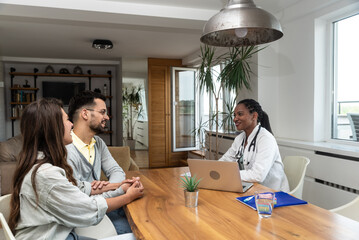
(253,106)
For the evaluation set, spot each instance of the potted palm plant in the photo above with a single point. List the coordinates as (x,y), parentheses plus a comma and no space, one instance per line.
(132,110)
(234,76)
(190,185)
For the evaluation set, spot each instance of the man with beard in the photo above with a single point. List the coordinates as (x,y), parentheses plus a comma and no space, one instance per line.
(88,154)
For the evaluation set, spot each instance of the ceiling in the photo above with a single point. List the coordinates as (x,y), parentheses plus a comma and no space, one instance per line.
(138,28)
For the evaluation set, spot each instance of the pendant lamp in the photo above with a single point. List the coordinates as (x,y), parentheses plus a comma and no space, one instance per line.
(241,23)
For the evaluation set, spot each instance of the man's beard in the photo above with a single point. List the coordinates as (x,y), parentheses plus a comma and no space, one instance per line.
(97,128)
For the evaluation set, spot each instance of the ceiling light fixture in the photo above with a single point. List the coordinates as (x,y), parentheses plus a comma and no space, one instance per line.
(102,44)
(241,23)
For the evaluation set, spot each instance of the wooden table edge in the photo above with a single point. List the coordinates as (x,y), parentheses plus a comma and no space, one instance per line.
(133,226)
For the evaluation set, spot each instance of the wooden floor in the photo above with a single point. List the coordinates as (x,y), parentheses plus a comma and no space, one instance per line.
(141,158)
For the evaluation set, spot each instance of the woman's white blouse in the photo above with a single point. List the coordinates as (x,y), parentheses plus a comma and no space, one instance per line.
(61,206)
(263,163)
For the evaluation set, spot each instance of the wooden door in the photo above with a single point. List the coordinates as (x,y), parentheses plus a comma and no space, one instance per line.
(159,114)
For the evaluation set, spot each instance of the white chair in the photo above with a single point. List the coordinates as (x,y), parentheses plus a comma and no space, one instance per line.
(349,210)
(295,168)
(6,230)
(104,229)
(126,236)
(354,124)
(5,206)
(5,233)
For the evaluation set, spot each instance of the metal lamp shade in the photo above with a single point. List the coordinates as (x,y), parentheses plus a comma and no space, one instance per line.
(241,23)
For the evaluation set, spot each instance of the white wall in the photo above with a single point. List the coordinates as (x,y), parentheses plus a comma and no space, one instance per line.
(253,91)
(118,90)
(268,82)
(2,106)
(293,89)
(293,96)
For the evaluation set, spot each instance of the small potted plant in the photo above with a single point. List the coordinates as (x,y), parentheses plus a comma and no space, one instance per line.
(191,191)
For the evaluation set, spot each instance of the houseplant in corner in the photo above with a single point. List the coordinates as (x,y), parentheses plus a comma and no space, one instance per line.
(191,191)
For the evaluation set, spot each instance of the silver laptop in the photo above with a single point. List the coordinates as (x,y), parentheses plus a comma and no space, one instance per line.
(218,175)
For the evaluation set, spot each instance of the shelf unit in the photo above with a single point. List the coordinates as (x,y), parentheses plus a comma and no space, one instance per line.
(20,96)
(14,90)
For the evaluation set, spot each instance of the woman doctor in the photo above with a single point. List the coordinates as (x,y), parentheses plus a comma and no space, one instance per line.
(255,148)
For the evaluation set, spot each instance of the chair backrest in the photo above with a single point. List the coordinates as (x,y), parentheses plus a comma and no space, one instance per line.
(5,228)
(349,210)
(354,124)
(122,156)
(5,206)
(4,217)
(295,168)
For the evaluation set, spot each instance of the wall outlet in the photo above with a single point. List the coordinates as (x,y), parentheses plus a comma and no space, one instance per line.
(1,84)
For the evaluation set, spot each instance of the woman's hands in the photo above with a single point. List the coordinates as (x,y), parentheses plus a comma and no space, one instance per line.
(125,184)
(135,190)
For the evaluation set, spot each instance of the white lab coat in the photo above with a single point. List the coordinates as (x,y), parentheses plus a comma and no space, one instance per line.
(263,164)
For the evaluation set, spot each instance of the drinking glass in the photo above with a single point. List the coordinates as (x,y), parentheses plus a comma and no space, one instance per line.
(264,204)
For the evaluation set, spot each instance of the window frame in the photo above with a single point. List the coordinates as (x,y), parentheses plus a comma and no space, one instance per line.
(331,36)
(173,109)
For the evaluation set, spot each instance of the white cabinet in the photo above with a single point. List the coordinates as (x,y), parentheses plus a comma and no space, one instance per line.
(141,132)
(225,141)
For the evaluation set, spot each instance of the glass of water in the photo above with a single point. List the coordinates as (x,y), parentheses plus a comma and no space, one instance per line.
(264,204)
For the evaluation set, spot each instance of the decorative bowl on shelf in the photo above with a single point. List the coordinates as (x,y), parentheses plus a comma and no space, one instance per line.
(77,70)
(49,69)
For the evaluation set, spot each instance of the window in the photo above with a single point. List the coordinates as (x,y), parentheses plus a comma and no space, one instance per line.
(207,101)
(192,110)
(184,110)
(226,98)
(207,108)
(345,95)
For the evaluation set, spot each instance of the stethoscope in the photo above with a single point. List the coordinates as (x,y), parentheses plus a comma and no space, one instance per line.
(240,152)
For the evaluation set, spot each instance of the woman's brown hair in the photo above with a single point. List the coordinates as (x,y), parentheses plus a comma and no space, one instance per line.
(42,129)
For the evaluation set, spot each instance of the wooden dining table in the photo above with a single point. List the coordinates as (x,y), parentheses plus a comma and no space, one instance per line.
(161,214)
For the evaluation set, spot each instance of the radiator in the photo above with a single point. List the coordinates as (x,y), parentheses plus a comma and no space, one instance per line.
(331,180)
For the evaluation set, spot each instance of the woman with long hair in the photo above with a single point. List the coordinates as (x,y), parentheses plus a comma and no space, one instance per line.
(46,203)
(255,148)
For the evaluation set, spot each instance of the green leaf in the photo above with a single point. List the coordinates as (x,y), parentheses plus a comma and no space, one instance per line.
(190,183)
(235,75)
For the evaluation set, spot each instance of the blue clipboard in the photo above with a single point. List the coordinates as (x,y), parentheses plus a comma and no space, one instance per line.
(283,199)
